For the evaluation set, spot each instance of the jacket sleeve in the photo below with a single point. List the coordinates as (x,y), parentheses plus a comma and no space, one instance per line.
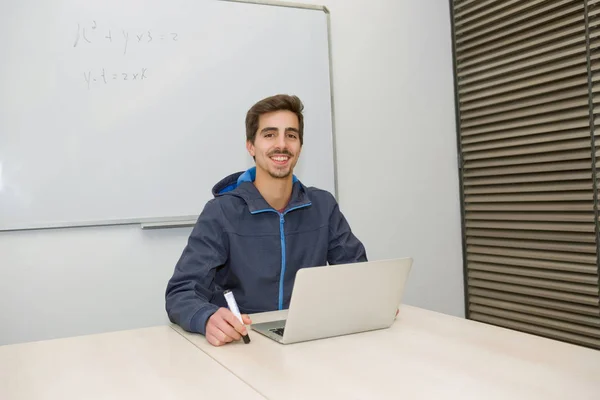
(190,289)
(344,247)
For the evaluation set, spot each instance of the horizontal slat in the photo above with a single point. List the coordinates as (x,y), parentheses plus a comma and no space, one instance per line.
(531,187)
(536,148)
(571,48)
(582,112)
(529,169)
(479,293)
(568,196)
(462,7)
(463,4)
(527,49)
(465,42)
(561,64)
(539,321)
(594,37)
(465,52)
(551,236)
(522,90)
(485,7)
(498,18)
(533,244)
(559,126)
(532,226)
(533,263)
(529,140)
(530,216)
(530,291)
(576,92)
(539,311)
(520,14)
(593,34)
(530,178)
(527,194)
(533,310)
(549,206)
(500,79)
(530,159)
(532,85)
(535,273)
(541,331)
(593,12)
(593,20)
(582,101)
(534,254)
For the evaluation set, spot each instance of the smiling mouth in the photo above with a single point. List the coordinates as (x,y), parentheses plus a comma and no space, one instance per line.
(280,159)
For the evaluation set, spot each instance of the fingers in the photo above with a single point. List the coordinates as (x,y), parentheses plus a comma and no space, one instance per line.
(213,340)
(223,327)
(228,330)
(235,323)
(217,337)
(246,319)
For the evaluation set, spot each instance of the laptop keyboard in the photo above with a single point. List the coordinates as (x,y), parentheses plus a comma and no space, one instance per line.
(278,331)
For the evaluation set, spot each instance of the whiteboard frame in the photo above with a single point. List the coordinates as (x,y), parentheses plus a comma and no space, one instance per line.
(190,220)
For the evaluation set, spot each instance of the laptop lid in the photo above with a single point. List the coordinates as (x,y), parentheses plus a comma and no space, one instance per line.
(342,299)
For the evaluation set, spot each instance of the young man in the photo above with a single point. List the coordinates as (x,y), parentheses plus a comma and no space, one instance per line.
(262,226)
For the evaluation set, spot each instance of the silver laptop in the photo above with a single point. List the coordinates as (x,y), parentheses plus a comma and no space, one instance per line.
(341,299)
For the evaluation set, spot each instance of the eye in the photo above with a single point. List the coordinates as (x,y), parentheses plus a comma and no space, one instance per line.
(269,135)
(292,136)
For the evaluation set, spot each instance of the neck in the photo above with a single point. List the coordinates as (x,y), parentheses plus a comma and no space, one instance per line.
(276,192)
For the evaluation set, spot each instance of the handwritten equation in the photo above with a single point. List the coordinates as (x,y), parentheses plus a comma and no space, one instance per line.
(89,34)
(104,77)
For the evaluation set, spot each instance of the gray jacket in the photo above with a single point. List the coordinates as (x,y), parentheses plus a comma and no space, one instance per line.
(241,243)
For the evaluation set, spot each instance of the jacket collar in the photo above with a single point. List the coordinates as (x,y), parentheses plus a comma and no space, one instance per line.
(241,185)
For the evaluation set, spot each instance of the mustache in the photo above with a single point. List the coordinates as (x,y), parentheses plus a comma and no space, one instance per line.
(283,152)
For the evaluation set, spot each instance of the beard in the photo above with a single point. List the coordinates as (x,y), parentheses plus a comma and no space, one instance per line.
(280,174)
(283,172)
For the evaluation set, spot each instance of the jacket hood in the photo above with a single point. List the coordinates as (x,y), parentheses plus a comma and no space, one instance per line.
(233,181)
(240,185)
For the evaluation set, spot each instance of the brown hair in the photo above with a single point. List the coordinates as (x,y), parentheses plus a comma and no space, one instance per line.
(274,103)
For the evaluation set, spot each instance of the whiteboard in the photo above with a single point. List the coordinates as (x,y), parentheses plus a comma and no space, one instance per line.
(125,111)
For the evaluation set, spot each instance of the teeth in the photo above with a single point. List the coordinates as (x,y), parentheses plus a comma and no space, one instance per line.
(279,158)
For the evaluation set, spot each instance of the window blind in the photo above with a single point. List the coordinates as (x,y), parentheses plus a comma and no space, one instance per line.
(528,115)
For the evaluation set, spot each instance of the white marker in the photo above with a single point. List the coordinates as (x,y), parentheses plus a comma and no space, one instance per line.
(231,303)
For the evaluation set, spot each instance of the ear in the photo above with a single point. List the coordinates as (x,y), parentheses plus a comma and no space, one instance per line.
(250,148)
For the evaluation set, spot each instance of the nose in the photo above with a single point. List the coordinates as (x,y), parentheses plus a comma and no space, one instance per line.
(281,140)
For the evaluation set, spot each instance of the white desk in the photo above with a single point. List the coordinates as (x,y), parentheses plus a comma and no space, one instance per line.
(424,355)
(151,363)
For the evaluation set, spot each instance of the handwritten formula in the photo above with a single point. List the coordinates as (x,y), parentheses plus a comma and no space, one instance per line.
(92,33)
(104,77)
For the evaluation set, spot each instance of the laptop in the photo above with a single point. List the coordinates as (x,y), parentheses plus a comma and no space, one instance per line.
(341,299)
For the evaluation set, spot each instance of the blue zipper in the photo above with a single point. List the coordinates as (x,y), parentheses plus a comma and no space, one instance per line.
(282,237)
(282,275)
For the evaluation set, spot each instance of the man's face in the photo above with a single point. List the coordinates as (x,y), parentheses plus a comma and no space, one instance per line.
(277,143)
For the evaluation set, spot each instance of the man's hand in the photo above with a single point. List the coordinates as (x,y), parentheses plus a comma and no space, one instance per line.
(223,327)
